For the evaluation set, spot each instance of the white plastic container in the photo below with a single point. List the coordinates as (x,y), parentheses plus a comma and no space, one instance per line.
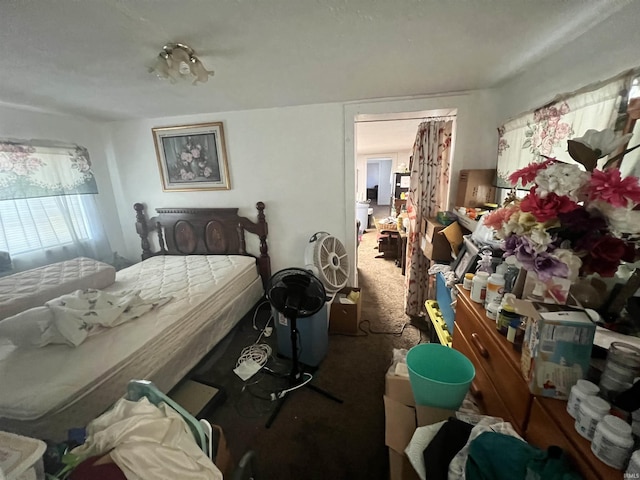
(492,310)
(21,457)
(590,412)
(581,390)
(495,288)
(633,470)
(467,283)
(479,287)
(612,441)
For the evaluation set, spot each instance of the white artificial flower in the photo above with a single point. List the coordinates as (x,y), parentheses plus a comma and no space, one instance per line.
(561,179)
(621,220)
(541,238)
(571,260)
(603,142)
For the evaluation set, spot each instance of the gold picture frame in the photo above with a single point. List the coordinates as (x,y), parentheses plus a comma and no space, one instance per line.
(192,157)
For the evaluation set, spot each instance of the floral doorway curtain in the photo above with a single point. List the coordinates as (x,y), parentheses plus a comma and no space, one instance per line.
(428,194)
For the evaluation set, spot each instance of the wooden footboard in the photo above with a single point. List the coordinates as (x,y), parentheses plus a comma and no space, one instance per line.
(203,231)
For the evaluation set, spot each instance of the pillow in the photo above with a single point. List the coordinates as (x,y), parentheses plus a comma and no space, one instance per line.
(31,328)
(453,233)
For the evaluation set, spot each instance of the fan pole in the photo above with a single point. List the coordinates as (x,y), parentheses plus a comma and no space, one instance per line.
(294,375)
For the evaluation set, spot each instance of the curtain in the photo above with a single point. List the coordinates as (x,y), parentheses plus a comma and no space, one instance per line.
(427,195)
(48,210)
(30,169)
(545,131)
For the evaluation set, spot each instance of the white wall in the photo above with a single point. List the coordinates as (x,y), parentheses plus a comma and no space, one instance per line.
(28,124)
(289,158)
(579,63)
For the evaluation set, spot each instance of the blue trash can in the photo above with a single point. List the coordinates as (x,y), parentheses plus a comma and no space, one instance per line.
(313,336)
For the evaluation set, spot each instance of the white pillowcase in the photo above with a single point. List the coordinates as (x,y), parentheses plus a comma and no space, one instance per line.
(31,328)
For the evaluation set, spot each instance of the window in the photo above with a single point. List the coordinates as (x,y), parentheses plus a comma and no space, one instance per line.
(48,208)
(31,224)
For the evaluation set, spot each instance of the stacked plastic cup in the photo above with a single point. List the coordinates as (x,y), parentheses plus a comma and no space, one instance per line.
(622,367)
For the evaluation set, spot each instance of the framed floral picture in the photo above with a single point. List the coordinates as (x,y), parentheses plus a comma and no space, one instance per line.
(192,157)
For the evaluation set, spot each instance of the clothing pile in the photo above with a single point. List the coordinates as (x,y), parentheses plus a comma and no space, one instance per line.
(489,450)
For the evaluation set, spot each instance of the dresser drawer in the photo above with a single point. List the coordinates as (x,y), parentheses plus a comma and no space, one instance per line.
(549,424)
(497,357)
(482,390)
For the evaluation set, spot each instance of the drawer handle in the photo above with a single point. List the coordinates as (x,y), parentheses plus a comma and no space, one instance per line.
(475,391)
(478,343)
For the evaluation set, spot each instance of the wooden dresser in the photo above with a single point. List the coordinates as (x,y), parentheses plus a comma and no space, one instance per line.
(501,391)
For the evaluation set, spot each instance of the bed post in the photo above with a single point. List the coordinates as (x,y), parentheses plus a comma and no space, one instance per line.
(264,261)
(143,230)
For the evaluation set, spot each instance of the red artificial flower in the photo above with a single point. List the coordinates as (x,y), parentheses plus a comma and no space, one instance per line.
(528,173)
(548,207)
(605,256)
(608,186)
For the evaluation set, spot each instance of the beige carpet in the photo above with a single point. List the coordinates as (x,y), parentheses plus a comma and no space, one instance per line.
(382,284)
(314,438)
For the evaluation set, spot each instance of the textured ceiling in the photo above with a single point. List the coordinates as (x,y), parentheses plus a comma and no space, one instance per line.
(91,57)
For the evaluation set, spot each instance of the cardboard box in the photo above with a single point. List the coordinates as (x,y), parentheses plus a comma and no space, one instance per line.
(557,347)
(475,188)
(439,250)
(431,226)
(345,318)
(402,417)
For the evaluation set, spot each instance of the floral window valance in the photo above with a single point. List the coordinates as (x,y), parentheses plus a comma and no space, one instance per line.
(545,131)
(30,169)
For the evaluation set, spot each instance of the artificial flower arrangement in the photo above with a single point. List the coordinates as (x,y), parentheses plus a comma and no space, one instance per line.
(573,222)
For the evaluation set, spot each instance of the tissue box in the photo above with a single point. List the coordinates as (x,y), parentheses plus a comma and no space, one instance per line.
(557,347)
(344,318)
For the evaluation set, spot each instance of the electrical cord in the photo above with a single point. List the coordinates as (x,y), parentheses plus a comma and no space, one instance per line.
(258,352)
(282,393)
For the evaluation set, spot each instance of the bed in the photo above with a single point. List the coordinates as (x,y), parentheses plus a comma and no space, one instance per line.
(200,261)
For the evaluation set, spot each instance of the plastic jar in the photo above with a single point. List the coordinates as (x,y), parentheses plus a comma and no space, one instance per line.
(612,441)
(581,390)
(623,365)
(506,315)
(479,287)
(633,470)
(492,310)
(495,288)
(468,281)
(590,412)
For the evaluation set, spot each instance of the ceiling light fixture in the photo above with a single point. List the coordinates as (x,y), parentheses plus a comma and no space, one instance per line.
(178,61)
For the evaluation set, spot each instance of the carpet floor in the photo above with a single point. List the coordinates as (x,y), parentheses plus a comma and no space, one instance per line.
(314,437)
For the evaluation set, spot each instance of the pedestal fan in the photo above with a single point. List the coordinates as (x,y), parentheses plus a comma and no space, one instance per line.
(296,293)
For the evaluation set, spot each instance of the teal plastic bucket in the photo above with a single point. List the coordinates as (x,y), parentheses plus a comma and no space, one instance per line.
(440,376)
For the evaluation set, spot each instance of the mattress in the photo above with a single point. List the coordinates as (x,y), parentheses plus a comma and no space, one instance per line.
(32,288)
(46,391)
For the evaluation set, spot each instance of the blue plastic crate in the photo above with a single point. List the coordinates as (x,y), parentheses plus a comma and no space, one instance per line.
(443,296)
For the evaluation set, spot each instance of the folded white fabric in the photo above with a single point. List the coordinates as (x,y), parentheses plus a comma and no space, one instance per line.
(87,312)
(71,318)
(147,443)
(31,328)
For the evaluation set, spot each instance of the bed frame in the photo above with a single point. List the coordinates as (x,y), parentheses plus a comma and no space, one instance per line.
(203,231)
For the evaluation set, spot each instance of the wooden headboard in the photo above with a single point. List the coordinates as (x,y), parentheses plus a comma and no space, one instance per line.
(203,231)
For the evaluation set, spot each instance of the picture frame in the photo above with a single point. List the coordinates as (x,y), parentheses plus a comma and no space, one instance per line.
(192,157)
(465,260)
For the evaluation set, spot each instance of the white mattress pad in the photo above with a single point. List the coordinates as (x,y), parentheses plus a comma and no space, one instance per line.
(38,381)
(32,288)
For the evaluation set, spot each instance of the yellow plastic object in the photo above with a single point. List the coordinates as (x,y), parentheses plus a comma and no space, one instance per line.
(438,322)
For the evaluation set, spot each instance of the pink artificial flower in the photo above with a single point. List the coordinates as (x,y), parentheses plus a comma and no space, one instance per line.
(499,217)
(609,187)
(528,173)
